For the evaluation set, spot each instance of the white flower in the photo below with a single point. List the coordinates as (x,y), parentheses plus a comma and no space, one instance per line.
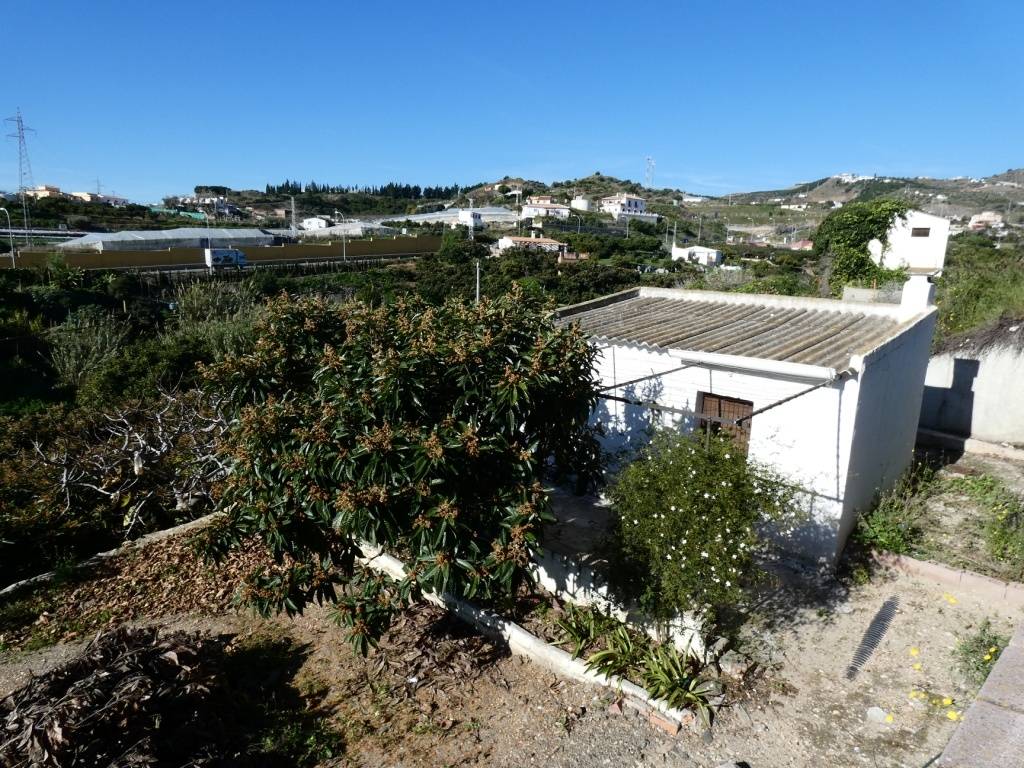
(668,557)
(728,456)
(704,554)
(636,522)
(671,508)
(707,495)
(728,583)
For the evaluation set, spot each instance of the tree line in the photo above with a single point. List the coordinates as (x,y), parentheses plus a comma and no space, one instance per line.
(391,189)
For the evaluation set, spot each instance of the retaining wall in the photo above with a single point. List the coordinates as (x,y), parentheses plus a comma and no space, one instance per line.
(977,393)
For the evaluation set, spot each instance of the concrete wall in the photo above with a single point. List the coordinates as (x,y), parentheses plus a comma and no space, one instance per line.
(890,385)
(807,439)
(977,394)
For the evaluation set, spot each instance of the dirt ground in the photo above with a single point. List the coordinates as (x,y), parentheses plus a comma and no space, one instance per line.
(953,524)
(436,694)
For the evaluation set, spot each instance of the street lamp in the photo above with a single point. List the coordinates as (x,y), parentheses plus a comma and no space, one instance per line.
(10,237)
(579,222)
(344,247)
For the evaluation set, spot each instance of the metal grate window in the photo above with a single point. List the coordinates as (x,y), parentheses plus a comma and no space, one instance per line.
(920,231)
(719,414)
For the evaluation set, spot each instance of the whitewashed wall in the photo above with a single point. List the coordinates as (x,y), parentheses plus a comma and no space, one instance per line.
(977,394)
(807,440)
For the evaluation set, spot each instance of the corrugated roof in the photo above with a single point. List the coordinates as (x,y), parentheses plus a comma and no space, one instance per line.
(808,331)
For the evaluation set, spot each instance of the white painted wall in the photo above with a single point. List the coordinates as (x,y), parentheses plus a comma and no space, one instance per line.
(891,384)
(926,253)
(842,443)
(580,203)
(697,254)
(315,222)
(807,440)
(977,394)
(541,210)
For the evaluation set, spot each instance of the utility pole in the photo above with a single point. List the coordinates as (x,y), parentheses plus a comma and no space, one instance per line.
(478,281)
(294,228)
(700,227)
(24,166)
(471,239)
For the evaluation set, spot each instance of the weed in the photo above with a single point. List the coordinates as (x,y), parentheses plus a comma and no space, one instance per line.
(1004,513)
(894,524)
(976,653)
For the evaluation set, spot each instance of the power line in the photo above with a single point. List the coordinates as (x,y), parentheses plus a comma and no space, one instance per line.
(24,166)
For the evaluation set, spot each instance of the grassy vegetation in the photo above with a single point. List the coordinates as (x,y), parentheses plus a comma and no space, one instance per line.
(978,652)
(981,284)
(903,521)
(894,523)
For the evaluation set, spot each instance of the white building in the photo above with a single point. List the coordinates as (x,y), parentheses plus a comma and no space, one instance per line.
(541,206)
(580,203)
(826,392)
(471,218)
(985,220)
(532,243)
(917,243)
(315,222)
(623,206)
(697,254)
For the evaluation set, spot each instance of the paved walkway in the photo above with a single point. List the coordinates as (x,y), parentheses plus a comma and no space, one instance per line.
(992,733)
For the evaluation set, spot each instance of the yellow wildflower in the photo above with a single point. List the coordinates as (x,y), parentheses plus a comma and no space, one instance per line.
(988,657)
(947,701)
(917,666)
(953,715)
(993,649)
(914,651)
(889,718)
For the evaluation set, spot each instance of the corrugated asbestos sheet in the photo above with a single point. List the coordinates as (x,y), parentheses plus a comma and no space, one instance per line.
(813,337)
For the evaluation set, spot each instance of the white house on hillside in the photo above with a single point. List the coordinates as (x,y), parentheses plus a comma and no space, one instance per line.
(532,243)
(470,218)
(826,392)
(315,222)
(916,243)
(580,203)
(623,206)
(697,254)
(540,206)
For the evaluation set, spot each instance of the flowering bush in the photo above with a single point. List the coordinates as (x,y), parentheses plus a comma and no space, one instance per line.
(686,519)
(423,430)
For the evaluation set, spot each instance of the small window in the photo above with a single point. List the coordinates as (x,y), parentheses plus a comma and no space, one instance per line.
(920,231)
(719,414)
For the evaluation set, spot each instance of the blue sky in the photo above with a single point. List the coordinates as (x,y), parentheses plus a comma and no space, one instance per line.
(154,98)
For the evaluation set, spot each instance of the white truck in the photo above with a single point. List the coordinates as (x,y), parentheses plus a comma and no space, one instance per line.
(218,258)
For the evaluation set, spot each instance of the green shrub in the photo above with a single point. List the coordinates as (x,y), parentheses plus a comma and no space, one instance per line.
(686,519)
(582,627)
(675,678)
(623,656)
(976,654)
(423,430)
(86,342)
(894,522)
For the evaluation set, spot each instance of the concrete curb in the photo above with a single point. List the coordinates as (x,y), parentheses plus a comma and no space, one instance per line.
(1007,593)
(142,541)
(525,643)
(938,439)
(518,640)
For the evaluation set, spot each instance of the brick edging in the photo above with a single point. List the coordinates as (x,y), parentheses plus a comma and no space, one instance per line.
(1008,593)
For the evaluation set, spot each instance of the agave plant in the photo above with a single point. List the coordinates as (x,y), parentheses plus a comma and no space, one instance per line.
(625,653)
(668,675)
